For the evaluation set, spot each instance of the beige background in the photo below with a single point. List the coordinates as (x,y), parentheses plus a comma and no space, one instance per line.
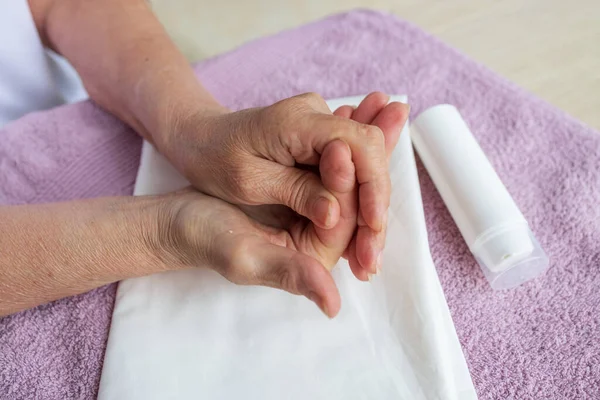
(551,47)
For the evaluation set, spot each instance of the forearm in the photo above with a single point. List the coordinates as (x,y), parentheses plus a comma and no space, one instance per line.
(126,60)
(56,250)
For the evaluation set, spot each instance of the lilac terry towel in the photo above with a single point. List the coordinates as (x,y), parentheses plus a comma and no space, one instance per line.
(539,341)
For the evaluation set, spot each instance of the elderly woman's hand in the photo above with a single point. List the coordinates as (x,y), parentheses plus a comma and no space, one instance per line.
(271,245)
(260,156)
(267,245)
(205,231)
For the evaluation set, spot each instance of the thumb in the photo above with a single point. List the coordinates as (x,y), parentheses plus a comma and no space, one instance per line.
(303,192)
(297,273)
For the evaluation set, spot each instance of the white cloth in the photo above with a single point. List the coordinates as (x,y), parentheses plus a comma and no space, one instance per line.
(192,334)
(31,77)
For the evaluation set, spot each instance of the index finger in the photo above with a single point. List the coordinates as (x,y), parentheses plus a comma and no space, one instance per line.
(367,145)
(391,120)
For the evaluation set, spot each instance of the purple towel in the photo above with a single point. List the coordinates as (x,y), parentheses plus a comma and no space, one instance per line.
(539,341)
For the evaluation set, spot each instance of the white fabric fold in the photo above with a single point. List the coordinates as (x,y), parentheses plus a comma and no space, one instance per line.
(192,334)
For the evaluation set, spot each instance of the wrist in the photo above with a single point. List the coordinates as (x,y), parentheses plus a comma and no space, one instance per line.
(186,128)
(55,250)
(151,222)
(181,230)
(134,228)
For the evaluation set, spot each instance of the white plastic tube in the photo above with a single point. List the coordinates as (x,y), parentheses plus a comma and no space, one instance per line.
(488,218)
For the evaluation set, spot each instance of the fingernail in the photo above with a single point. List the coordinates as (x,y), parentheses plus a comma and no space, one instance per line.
(406,106)
(323,208)
(361,220)
(369,276)
(374,267)
(379,262)
(383,217)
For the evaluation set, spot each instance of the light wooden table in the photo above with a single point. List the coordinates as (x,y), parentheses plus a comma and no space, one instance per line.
(550,47)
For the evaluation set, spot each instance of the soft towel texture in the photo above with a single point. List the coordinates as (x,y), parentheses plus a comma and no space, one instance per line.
(538,341)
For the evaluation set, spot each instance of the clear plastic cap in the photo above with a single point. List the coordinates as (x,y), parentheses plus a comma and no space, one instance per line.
(509,256)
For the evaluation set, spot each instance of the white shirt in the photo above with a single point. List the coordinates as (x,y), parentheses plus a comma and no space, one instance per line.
(32,77)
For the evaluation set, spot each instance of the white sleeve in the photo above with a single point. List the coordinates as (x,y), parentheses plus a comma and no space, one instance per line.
(31,77)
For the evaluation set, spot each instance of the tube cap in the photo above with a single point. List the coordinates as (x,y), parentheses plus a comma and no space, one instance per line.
(509,255)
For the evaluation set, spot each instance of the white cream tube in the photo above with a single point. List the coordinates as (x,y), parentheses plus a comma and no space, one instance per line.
(488,218)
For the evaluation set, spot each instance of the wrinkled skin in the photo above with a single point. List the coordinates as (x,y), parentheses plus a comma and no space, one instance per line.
(274,246)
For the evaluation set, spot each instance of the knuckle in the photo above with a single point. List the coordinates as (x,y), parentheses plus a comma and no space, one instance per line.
(311,96)
(275,126)
(308,96)
(373,134)
(313,99)
(283,278)
(287,281)
(295,106)
(277,119)
(270,113)
(283,116)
